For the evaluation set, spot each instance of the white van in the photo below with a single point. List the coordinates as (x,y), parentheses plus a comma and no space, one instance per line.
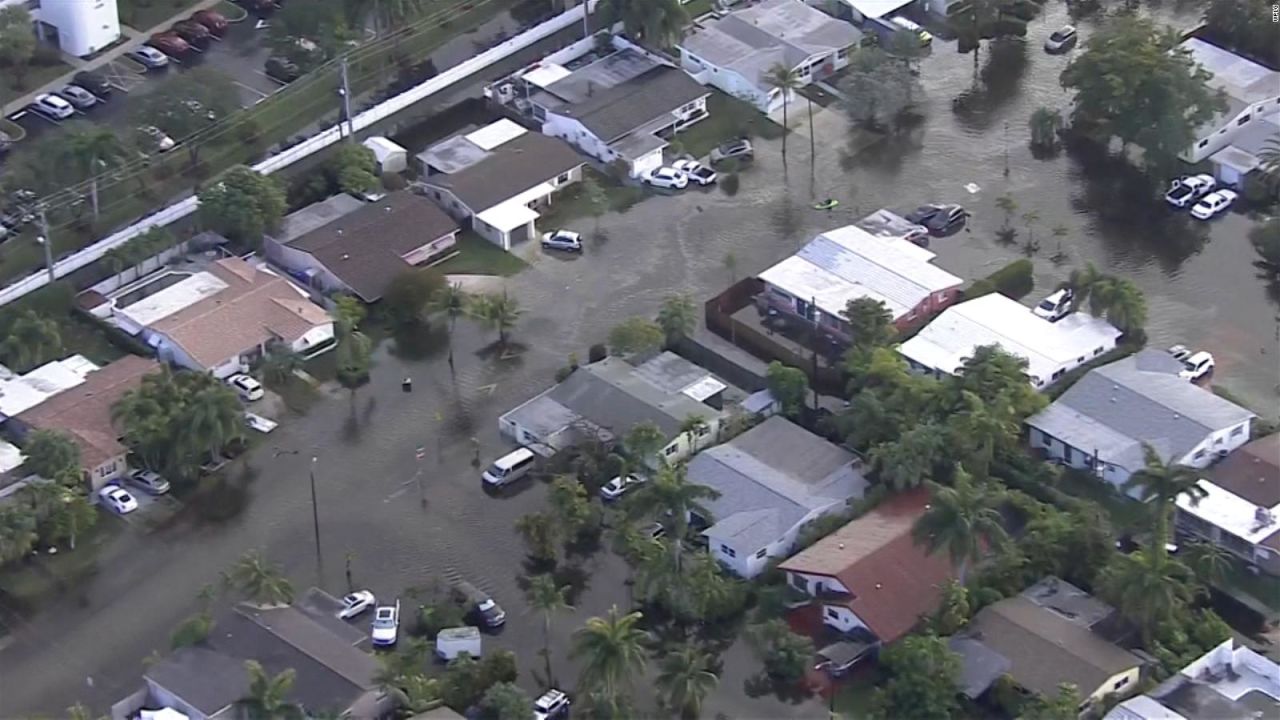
(451,642)
(925,36)
(509,467)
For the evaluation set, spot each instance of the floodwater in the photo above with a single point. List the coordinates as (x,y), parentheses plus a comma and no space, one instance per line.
(1201,290)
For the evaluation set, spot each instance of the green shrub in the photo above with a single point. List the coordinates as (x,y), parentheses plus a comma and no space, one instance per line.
(978,289)
(1015,280)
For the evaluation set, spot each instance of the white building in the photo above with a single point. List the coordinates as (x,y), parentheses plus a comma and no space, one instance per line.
(80,27)
(1051,349)
(1241,510)
(19,393)
(1101,422)
(736,52)
(1251,90)
(1229,681)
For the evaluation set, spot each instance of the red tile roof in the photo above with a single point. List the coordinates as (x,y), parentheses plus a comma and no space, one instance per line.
(893,581)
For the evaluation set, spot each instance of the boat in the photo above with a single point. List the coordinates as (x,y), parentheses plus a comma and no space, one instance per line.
(827,204)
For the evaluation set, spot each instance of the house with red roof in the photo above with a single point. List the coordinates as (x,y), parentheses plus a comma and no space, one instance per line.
(871,575)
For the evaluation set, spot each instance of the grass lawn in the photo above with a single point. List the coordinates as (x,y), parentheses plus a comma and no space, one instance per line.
(142,15)
(728,118)
(477,256)
(36,76)
(570,203)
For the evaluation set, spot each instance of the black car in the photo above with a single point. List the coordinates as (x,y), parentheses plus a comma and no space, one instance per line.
(939,219)
(94,83)
(282,69)
(480,604)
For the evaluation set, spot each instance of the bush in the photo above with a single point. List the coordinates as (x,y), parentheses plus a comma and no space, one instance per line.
(597,353)
(729,184)
(978,289)
(1257,190)
(1015,280)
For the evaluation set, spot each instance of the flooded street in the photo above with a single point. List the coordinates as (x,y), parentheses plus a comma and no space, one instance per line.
(1199,284)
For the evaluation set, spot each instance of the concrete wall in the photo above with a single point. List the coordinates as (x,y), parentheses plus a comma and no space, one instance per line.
(842,618)
(1221,441)
(748,562)
(1223,135)
(108,471)
(84,26)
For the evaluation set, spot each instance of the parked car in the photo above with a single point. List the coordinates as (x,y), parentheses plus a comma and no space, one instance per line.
(1213,203)
(902,23)
(386,625)
(696,171)
(163,142)
(246,387)
(52,106)
(1197,366)
(551,705)
(170,43)
(1179,352)
(78,96)
(1186,190)
(150,57)
(452,642)
(148,481)
(489,612)
(356,603)
(193,32)
(94,83)
(215,21)
(282,69)
(917,235)
(619,486)
(1062,40)
(259,423)
(1056,306)
(562,240)
(509,468)
(740,149)
(939,219)
(654,530)
(117,499)
(666,177)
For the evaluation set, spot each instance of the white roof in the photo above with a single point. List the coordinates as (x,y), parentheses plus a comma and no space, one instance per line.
(383,148)
(1142,708)
(998,320)
(170,300)
(21,393)
(1241,79)
(494,134)
(10,456)
(1232,513)
(877,8)
(544,75)
(702,389)
(847,263)
(508,216)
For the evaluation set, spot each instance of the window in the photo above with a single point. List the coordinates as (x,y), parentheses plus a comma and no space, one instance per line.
(728,550)
(1097,351)
(1120,683)
(564,178)
(703,431)
(800,582)
(1218,440)
(671,449)
(1202,143)
(1238,431)
(1243,119)
(833,613)
(1199,454)
(761,553)
(1058,374)
(842,53)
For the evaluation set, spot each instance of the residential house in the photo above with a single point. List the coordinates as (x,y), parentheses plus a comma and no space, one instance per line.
(1229,681)
(494,178)
(83,412)
(1051,349)
(605,399)
(1050,634)
(864,12)
(1241,508)
(1244,155)
(344,245)
(219,319)
(19,393)
(617,108)
(206,681)
(871,574)
(772,480)
(76,27)
(1252,93)
(735,52)
(1102,421)
(817,283)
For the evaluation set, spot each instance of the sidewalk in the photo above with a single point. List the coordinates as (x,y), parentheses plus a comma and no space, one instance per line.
(133,38)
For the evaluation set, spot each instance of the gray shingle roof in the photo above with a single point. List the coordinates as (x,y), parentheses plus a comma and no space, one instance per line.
(981,666)
(1117,407)
(616,111)
(510,169)
(205,679)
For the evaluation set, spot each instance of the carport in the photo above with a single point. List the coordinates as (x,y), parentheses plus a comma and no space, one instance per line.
(506,224)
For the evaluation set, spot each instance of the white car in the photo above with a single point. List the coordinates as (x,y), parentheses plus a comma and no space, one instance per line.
(562,240)
(1186,190)
(259,423)
(1213,203)
(667,177)
(246,387)
(54,107)
(551,705)
(148,56)
(355,603)
(118,499)
(696,171)
(1056,306)
(386,625)
(163,142)
(902,23)
(619,486)
(1062,39)
(1196,366)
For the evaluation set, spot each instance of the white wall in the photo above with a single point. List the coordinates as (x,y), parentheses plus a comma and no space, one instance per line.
(297,261)
(84,26)
(313,338)
(728,81)
(1223,135)
(747,562)
(431,249)
(1224,440)
(575,133)
(106,472)
(812,584)
(841,618)
(680,447)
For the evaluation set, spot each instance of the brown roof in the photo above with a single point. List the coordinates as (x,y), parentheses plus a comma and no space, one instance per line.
(255,307)
(1252,471)
(893,580)
(510,169)
(1045,649)
(366,248)
(84,411)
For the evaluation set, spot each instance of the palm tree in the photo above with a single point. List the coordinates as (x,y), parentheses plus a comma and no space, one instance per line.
(32,340)
(660,22)
(1045,123)
(1126,306)
(685,680)
(671,495)
(908,460)
(417,694)
(259,580)
(1082,282)
(1210,562)
(983,427)
(548,598)
(960,520)
(643,441)
(1270,159)
(540,533)
(451,300)
(612,651)
(91,148)
(279,363)
(1160,485)
(1145,590)
(678,317)
(73,516)
(267,698)
(786,80)
(213,419)
(693,427)
(500,312)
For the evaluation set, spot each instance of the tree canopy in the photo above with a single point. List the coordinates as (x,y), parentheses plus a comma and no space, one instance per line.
(788,386)
(243,205)
(923,680)
(636,335)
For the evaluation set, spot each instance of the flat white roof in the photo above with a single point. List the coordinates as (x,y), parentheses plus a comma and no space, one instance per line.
(170,300)
(10,456)
(877,8)
(998,320)
(382,147)
(508,216)
(1240,78)
(21,393)
(830,292)
(702,389)
(494,134)
(546,74)
(1232,513)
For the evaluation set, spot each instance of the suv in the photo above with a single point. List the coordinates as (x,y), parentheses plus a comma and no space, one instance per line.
(491,614)
(740,149)
(1196,366)
(246,387)
(93,82)
(562,240)
(1056,306)
(551,705)
(53,107)
(148,481)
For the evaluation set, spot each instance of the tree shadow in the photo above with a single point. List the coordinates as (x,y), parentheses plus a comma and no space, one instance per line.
(418,341)
(761,684)
(1001,77)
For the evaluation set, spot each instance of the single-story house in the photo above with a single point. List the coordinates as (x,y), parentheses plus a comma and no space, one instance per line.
(1048,636)
(19,393)
(605,399)
(1252,92)
(220,319)
(345,245)
(494,178)
(83,412)
(1051,349)
(1241,511)
(848,263)
(1244,155)
(772,480)
(736,51)
(871,574)
(1229,681)
(390,157)
(1101,422)
(861,12)
(620,107)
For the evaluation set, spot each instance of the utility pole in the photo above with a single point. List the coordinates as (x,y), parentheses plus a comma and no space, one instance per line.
(586,16)
(345,92)
(45,243)
(315,512)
